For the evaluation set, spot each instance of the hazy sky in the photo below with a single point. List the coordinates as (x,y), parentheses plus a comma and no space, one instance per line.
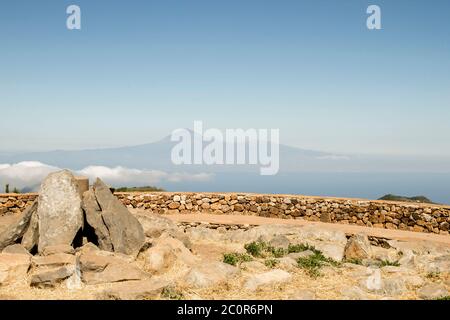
(139,69)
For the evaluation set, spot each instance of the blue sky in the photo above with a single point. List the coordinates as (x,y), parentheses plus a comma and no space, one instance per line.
(139,69)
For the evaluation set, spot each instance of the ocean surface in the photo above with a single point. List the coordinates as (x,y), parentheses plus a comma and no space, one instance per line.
(435,186)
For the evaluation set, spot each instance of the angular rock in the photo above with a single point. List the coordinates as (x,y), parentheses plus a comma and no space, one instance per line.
(95,220)
(394,286)
(53,260)
(30,238)
(127,234)
(332,251)
(154,226)
(47,278)
(358,247)
(267,279)
(165,253)
(115,273)
(59,210)
(374,282)
(280,241)
(13,268)
(61,248)
(104,267)
(253,266)
(286,262)
(16,249)
(303,254)
(432,291)
(16,230)
(209,274)
(135,290)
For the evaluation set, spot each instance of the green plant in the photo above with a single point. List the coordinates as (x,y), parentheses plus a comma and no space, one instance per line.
(444,298)
(235,258)
(313,263)
(277,252)
(294,248)
(256,248)
(354,261)
(384,263)
(16,190)
(271,263)
(172,294)
(7,188)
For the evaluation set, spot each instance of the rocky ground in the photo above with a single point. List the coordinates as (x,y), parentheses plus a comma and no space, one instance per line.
(264,262)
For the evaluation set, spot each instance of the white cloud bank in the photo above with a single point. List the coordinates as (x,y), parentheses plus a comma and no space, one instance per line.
(29,175)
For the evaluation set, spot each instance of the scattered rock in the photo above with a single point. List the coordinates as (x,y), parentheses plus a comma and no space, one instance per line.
(165,253)
(13,268)
(394,286)
(253,266)
(358,247)
(16,230)
(16,249)
(61,248)
(135,290)
(154,226)
(59,210)
(303,254)
(332,251)
(45,278)
(286,262)
(432,291)
(209,274)
(276,276)
(280,241)
(127,234)
(382,254)
(105,267)
(373,282)
(53,260)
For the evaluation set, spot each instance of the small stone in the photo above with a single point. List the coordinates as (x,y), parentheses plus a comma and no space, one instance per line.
(432,291)
(135,290)
(280,241)
(303,254)
(269,278)
(54,260)
(209,274)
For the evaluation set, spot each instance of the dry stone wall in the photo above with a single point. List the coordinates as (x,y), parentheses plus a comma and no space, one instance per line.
(372,213)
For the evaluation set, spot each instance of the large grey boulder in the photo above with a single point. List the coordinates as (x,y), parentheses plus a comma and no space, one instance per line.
(95,220)
(126,233)
(59,210)
(17,229)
